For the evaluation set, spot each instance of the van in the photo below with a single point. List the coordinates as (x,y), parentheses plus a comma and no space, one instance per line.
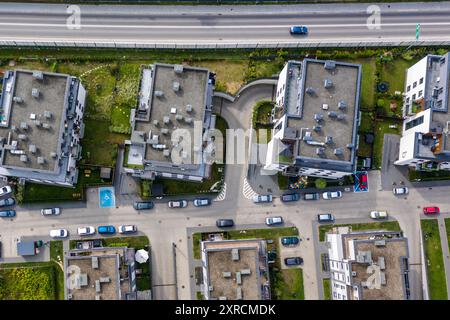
(311,196)
(325,217)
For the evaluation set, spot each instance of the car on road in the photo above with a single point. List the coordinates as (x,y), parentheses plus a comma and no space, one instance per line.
(311,196)
(431,210)
(290,197)
(332,195)
(224,223)
(131,228)
(325,217)
(59,233)
(289,241)
(262,198)
(106,230)
(7,202)
(5,190)
(143,205)
(86,231)
(271,221)
(7,213)
(298,30)
(178,204)
(50,211)
(378,215)
(201,202)
(400,190)
(293,261)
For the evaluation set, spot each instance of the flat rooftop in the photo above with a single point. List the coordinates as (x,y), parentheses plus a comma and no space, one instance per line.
(223,269)
(51,98)
(165,101)
(337,123)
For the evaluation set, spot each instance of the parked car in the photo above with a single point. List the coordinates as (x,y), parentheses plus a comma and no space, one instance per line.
(293,261)
(363,181)
(378,214)
(7,213)
(262,198)
(143,205)
(7,202)
(127,229)
(224,223)
(59,233)
(85,231)
(106,230)
(178,204)
(270,221)
(50,211)
(400,190)
(325,217)
(202,202)
(5,190)
(431,210)
(332,195)
(289,241)
(290,197)
(311,196)
(298,30)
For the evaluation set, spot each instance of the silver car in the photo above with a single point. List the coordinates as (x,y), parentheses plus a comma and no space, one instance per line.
(50,211)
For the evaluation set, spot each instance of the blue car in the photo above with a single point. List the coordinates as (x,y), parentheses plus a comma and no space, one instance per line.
(7,213)
(289,241)
(299,30)
(106,230)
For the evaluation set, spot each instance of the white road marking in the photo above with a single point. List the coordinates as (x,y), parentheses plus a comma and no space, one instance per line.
(247,190)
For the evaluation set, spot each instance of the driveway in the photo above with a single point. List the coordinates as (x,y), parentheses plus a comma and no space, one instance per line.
(392,175)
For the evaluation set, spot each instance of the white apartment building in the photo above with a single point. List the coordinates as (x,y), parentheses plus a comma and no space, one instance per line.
(315,119)
(425,141)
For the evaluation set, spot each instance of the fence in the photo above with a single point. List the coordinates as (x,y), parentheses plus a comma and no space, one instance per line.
(147,45)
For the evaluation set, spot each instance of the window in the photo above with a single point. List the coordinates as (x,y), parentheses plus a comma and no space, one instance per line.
(421,80)
(414,96)
(415,84)
(420,93)
(408,88)
(407,100)
(413,123)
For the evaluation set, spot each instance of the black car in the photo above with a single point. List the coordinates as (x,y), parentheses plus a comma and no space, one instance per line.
(293,261)
(143,205)
(290,197)
(224,223)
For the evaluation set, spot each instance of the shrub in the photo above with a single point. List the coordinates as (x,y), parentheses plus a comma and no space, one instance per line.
(320,183)
(381,103)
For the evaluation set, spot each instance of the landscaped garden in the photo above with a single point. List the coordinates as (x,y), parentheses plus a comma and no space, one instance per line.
(383,225)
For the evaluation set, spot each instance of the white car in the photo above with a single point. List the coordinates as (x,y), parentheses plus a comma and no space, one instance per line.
(332,195)
(50,211)
(270,221)
(262,198)
(400,191)
(378,214)
(127,229)
(85,231)
(178,204)
(5,190)
(59,233)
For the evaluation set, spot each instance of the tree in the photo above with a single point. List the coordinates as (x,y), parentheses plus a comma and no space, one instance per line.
(321,183)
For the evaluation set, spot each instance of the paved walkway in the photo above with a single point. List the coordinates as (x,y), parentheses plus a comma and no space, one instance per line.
(445,251)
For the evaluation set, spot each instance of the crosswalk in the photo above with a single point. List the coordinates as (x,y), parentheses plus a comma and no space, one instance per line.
(248,190)
(222,195)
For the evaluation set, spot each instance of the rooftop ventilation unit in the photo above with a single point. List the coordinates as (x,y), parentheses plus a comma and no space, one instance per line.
(179,117)
(332,114)
(32,148)
(308,136)
(53,155)
(23,158)
(341,117)
(35,93)
(166,153)
(38,123)
(23,126)
(320,151)
(47,114)
(40,160)
(338,152)
(350,146)
(159,93)
(164,131)
(235,254)
(317,128)
(176,86)
(178,68)
(328,139)
(155,123)
(38,75)
(318,117)
(188,120)
(17,100)
(173,110)
(325,106)
(46,126)
(328,83)
(184,154)
(342,105)
(14,128)
(310,90)
(166,119)
(154,140)
(330,65)
(189,108)
(23,137)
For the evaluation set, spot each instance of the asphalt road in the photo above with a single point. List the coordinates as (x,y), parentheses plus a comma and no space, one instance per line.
(223,24)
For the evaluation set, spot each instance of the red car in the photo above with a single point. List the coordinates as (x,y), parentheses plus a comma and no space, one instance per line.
(363,181)
(431,210)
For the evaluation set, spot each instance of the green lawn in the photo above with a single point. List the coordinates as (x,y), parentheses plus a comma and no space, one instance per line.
(381,128)
(288,285)
(429,176)
(326,289)
(383,225)
(368,84)
(447,228)
(434,260)
(56,251)
(395,72)
(131,242)
(196,238)
(283,181)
